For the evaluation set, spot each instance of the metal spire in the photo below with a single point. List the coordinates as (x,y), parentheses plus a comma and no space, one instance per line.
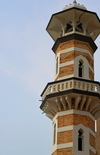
(74,2)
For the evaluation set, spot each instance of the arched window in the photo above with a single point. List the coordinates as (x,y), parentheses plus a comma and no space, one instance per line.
(80,140)
(80,69)
(54,135)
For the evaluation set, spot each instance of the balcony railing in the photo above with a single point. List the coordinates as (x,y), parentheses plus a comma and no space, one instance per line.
(72,83)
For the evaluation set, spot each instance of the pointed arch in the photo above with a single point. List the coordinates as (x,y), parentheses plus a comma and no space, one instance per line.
(80,140)
(81,67)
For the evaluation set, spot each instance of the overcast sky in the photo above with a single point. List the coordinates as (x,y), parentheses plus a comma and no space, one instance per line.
(26,66)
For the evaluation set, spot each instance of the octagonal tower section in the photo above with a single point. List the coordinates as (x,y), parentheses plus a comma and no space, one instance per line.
(72,100)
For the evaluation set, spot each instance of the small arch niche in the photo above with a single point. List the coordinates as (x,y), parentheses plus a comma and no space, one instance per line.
(80,140)
(80,68)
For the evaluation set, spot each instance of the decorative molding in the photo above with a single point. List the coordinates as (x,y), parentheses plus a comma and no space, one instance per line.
(76,37)
(73,111)
(66,145)
(67,128)
(81,50)
(92,149)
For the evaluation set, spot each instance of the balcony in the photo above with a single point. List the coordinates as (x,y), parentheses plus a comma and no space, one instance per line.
(71,83)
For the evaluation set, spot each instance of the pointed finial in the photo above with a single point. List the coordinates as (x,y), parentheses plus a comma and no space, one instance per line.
(74,2)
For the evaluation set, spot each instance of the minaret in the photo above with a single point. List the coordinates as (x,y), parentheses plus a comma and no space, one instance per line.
(72,101)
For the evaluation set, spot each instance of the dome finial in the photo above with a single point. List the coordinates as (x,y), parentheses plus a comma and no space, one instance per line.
(76,5)
(74,2)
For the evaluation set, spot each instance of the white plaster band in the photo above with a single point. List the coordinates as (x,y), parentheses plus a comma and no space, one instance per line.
(76,49)
(73,111)
(66,145)
(67,128)
(92,149)
(67,63)
(65,77)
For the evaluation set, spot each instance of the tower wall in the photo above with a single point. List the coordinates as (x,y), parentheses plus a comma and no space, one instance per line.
(69,53)
(68,124)
(98,137)
(72,100)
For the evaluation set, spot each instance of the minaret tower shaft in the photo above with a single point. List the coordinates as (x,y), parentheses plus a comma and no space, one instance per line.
(72,100)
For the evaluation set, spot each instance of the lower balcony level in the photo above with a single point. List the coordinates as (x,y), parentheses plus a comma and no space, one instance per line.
(72,93)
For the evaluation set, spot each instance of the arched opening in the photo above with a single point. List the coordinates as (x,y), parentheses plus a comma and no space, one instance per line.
(80,140)
(54,135)
(79,27)
(80,69)
(69,27)
(74,26)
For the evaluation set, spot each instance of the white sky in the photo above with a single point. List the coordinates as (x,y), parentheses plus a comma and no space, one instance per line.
(26,66)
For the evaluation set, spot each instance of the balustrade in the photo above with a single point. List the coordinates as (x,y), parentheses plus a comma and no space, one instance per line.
(71,84)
